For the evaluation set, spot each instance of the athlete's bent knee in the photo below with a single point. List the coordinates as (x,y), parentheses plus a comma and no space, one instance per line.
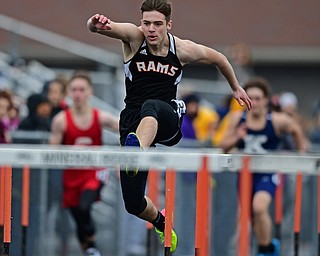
(136,209)
(149,108)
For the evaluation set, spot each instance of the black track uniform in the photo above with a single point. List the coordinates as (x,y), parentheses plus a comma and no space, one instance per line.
(151,85)
(151,88)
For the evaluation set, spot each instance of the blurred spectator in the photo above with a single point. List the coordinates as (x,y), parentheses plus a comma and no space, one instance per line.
(224,122)
(192,104)
(274,104)
(12,120)
(200,121)
(206,124)
(288,103)
(55,91)
(224,107)
(5,105)
(315,132)
(39,114)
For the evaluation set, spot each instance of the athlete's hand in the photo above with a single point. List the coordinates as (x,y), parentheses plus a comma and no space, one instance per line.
(241,96)
(98,22)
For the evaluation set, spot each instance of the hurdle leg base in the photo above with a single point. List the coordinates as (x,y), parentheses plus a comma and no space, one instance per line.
(6,247)
(167,251)
(296,243)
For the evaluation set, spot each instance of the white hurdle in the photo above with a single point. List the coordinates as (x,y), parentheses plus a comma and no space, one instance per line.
(47,156)
(162,159)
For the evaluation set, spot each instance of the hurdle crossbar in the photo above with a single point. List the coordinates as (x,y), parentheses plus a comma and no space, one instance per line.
(176,158)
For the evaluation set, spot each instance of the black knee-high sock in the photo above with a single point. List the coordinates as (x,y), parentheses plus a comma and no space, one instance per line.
(159,222)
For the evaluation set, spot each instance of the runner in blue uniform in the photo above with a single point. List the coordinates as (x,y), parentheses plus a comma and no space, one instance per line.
(259,132)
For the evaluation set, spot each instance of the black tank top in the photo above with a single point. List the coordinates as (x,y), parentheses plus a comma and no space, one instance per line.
(152,77)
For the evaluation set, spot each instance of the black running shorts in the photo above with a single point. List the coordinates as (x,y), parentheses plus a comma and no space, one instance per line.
(165,113)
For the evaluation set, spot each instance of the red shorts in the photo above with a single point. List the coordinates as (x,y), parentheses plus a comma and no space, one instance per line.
(76,181)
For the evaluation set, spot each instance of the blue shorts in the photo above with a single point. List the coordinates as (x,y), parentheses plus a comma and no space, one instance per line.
(265,182)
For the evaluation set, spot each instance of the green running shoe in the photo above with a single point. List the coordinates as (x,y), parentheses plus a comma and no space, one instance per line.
(174,237)
(132,140)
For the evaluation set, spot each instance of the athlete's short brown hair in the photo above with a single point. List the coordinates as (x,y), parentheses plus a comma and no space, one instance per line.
(162,6)
(258,82)
(81,74)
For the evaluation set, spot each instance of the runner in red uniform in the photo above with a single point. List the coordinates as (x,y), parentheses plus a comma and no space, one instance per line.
(73,183)
(82,124)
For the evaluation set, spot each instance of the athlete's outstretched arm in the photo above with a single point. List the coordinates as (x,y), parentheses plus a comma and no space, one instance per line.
(127,32)
(289,125)
(189,51)
(109,121)
(233,134)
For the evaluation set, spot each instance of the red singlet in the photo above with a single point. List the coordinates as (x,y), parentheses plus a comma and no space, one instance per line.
(75,181)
